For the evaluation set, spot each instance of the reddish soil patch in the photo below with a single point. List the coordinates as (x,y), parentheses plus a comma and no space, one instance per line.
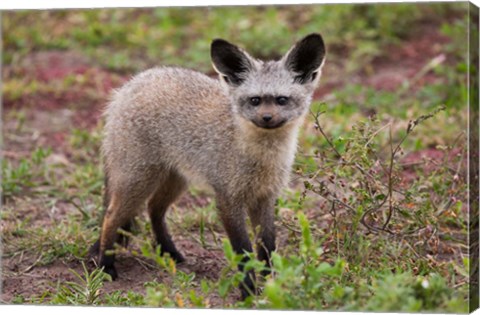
(399,64)
(428,160)
(52,65)
(66,80)
(405,61)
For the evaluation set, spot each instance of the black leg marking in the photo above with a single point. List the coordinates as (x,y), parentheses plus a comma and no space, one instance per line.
(265,249)
(163,238)
(262,218)
(94,249)
(107,262)
(248,285)
(168,191)
(237,233)
(123,239)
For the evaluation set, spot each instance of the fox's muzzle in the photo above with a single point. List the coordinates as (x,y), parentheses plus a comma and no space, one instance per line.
(269,122)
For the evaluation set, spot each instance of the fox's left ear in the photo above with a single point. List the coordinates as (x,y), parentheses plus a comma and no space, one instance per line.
(306,58)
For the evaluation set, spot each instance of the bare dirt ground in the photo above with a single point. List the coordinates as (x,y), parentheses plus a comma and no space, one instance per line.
(48,115)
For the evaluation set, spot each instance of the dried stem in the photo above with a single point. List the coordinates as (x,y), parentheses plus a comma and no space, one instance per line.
(389,170)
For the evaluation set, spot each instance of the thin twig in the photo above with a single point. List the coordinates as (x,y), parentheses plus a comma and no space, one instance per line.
(319,127)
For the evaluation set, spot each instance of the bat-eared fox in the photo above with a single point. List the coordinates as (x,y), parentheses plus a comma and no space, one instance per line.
(168,126)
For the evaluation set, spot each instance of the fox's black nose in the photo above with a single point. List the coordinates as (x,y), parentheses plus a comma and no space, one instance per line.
(267,117)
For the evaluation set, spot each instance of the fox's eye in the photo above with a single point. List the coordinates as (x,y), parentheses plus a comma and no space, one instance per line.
(282,100)
(255,101)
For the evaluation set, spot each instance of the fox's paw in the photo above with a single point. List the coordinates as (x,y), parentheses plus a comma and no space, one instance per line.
(175,255)
(111,271)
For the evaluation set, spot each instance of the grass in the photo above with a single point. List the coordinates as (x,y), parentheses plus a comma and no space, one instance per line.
(182,36)
(375,218)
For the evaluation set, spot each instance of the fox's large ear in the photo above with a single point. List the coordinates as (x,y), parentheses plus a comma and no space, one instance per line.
(306,58)
(232,63)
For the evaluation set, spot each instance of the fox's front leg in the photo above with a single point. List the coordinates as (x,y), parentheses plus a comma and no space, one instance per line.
(233,219)
(262,215)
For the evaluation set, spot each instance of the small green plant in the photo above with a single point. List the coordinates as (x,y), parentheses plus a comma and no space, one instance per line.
(130,298)
(404,292)
(303,280)
(86,291)
(17,178)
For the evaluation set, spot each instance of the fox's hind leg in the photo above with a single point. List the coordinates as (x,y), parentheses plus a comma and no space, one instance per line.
(121,239)
(127,227)
(167,192)
(126,198)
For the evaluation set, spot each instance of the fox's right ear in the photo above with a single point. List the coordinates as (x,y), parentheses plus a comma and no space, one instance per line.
(232,63)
